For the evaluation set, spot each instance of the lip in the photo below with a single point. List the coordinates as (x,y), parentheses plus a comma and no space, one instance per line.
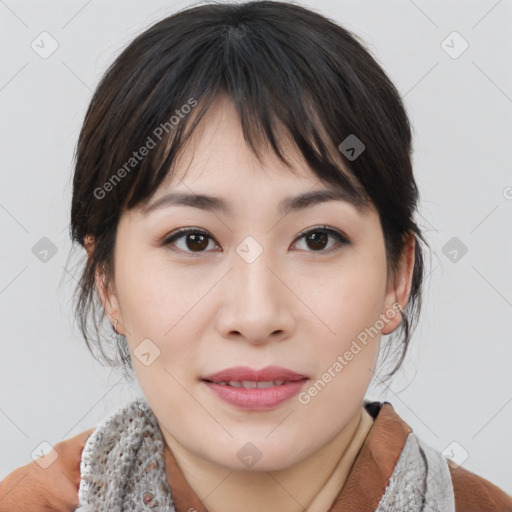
(246,373)
(256,399)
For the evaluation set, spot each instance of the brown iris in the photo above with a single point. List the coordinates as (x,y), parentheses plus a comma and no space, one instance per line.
(197,241)
(317,240)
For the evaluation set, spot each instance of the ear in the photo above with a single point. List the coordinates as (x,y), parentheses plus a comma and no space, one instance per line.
(106,293)
(399,288)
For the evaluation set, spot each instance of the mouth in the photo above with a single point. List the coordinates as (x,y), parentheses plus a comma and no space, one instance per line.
(255,390)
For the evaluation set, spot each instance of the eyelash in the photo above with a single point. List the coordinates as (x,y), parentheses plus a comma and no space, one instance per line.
(341,238)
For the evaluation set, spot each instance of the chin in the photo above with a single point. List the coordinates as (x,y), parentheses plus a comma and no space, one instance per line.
(257,456)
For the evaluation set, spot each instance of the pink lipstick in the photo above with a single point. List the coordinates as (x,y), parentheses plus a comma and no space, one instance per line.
(256,390)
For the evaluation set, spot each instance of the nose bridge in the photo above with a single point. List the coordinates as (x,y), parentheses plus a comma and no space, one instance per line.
(255,306)
(256,283)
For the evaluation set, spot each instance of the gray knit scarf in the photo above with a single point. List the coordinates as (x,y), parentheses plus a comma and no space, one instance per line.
(123,470)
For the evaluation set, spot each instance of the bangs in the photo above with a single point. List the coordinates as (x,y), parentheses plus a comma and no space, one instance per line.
(278,96)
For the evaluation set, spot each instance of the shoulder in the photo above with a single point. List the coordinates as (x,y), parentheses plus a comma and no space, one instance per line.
(475,493)
(48,483)
(471,492)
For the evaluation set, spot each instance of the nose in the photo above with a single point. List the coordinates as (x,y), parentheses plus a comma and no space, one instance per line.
(257,306)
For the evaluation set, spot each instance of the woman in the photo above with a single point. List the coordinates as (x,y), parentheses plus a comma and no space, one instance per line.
(244,192)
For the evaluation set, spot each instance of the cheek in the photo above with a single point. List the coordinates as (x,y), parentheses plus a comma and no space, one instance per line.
(349,306)
(154,299)
(353,297)
(159,325)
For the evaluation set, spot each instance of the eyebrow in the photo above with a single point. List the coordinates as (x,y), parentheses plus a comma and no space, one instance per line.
(211,203)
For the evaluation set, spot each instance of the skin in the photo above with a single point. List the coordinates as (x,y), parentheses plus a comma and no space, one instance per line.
(295,306)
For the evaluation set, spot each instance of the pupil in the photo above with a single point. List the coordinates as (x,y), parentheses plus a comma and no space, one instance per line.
(195,239)
(318,241)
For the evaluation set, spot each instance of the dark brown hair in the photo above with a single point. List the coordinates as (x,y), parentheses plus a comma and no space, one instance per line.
(283,66)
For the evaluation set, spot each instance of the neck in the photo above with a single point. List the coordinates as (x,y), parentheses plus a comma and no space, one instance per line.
(292,489)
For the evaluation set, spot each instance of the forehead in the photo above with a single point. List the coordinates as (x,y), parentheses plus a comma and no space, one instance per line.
(218,143)
(217,153)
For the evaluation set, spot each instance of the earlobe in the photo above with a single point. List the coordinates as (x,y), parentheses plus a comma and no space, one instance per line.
(398,293)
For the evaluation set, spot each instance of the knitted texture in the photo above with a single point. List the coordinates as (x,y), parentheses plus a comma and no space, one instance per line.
(123,470)
(421,481)
(122,467)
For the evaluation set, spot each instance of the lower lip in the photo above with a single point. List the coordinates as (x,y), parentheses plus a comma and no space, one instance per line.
(257,399)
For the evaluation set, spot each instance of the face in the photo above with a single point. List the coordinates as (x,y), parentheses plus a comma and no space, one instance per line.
(251,285)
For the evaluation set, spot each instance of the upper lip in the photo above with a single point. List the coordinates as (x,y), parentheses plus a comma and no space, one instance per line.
(239,373)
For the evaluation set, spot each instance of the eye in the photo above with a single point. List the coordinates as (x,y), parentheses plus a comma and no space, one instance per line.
(317,239)
(194,239)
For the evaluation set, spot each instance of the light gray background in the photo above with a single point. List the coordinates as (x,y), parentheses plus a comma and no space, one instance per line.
(456,382)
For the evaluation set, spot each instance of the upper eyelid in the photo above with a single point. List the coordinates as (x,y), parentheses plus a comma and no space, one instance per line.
(322,227)
(177,234)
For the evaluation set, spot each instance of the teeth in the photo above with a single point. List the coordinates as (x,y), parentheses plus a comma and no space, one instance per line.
(248,384)
(266,384)
(251,384)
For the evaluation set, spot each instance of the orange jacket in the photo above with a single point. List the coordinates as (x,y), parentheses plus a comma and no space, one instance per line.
(31,488)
